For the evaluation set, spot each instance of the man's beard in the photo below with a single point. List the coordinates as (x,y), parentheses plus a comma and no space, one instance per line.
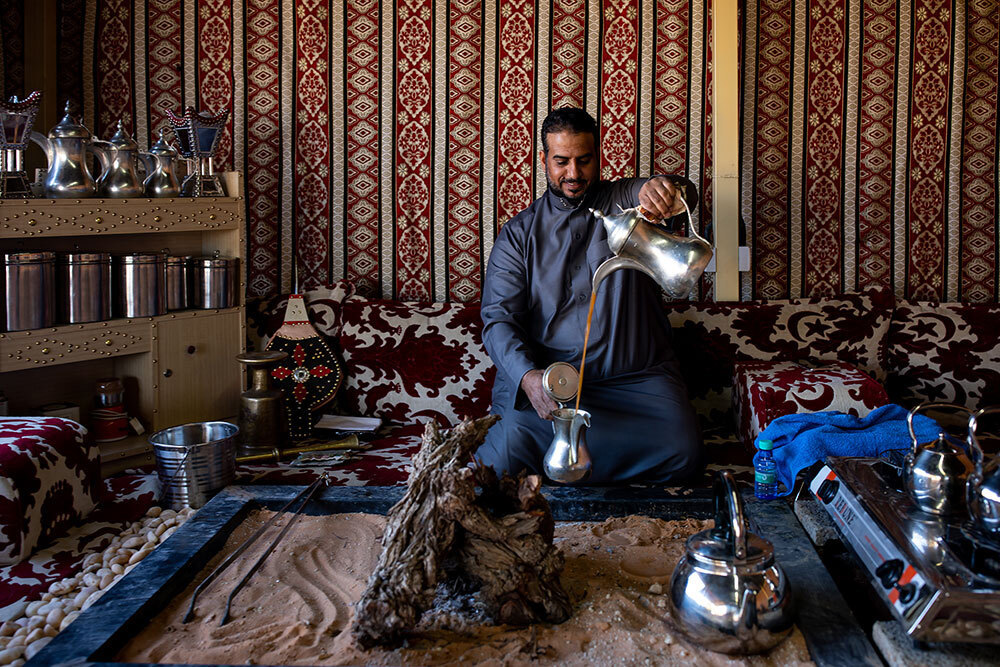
(555,189)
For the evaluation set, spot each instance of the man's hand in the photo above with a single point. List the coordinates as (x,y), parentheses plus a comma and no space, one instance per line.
(660,198)
(531,383)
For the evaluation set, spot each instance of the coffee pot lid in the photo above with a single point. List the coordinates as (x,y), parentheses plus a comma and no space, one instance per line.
(163,147)
(560,381)
(121,140)
(69,127)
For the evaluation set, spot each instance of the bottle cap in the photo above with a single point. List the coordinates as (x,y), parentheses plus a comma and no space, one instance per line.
(559,381)
(765,444)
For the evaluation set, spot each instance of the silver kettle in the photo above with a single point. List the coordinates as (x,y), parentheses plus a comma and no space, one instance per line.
(674,262)
(935,472)
(161,170)
(983,487)
(66,148)
(728,593)
(119,157)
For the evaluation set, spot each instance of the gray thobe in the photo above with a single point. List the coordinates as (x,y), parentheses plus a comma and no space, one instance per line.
(534,309)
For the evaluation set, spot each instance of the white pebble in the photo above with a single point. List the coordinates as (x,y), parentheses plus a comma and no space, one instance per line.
(151,537)
(33,608)
(94,597)
(172,521)
(17,663)
(10,654)
(134,542)
(154,511)
(55,616)
(168,532)
(50,630)
(117,568)
(91,559)
(34,623)
(36,646)
(82,596)
(154,523)
(107,580)
(46,597)
(70,617)
(90,579)
(93,567)
(138,556)
(35,634)
(168,514)
(103,572)
(7,629)
(656,588)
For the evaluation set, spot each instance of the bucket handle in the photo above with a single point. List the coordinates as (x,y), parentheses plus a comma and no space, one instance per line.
(180,466)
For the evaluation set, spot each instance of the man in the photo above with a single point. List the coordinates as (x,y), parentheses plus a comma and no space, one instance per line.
(534,309)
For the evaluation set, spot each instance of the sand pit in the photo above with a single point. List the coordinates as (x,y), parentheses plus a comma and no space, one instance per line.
(298,608)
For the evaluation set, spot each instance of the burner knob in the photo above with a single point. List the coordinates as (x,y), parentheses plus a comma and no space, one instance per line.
(907,592)
(889,572)
(828,490)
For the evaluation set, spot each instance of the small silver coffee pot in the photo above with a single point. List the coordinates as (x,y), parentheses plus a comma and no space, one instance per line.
(161,170)
(727,591)
(567,459)
(674,262)
(66,148)
(984,483)
(935,472)
(119,158)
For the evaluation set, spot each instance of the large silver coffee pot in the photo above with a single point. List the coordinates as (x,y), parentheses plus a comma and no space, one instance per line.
(674,262)
(935,472)
(161,170)
(66,148)
(728,593)
(984,483)
(119,158)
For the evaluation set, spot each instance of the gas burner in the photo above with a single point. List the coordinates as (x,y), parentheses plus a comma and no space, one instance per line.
(940,576)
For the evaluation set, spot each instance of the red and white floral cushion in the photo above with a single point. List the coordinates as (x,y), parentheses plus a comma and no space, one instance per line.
(945,352)
(50,477)
(766,390)
(264,316)
(709,338)
(408,362)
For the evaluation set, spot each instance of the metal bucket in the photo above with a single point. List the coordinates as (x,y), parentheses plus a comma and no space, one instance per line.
(194,461)
(85,286)
(216,282)
(30,290)
(143,280)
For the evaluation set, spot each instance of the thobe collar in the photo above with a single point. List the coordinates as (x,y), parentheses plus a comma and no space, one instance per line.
(563,204)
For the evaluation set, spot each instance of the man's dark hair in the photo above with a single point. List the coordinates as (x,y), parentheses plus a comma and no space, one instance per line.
(572,119)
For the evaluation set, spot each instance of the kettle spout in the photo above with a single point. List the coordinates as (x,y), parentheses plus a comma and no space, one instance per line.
(613,264)
(45,145)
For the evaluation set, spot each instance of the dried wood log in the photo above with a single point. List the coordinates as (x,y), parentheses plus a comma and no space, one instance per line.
(501,540)
(417,538)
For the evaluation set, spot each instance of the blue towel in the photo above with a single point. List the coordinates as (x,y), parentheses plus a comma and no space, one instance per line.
(801,440)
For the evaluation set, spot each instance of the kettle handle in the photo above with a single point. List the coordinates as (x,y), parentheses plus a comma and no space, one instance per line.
(927,406)
(977,451)
(729,515)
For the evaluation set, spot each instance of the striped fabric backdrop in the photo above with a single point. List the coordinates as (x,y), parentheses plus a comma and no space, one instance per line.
(387,142)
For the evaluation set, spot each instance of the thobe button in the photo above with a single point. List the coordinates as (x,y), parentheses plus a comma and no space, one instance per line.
(576,268)
(577,237)
(581,298)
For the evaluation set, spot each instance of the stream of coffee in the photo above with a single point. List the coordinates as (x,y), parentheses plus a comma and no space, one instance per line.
(583,359)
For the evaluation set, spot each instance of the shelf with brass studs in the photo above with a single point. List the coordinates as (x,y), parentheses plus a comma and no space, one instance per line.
(177,367)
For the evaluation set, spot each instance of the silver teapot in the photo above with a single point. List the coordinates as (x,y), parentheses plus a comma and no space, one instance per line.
(728,593)
(674,262)
(935,472)
(983,487)
(161,170)
(119,158)
(66,148)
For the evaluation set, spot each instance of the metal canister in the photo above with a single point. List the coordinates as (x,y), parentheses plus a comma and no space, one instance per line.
(179,282)
(30,290)
(216,282)
(85,287)
(560,381)
(143,281)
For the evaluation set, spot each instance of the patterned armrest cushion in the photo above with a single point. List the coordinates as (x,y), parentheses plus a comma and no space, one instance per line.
(945,352)
(50,478)
(710,338)
(766,390)
(409,361)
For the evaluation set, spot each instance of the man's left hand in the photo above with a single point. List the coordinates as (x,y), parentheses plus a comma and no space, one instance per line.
(660,198)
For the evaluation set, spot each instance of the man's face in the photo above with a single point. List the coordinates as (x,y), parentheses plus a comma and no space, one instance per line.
(570,164)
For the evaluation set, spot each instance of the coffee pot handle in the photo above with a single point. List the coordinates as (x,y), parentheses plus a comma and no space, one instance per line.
(977,452)
(691,229)
(928,406)
(729,516)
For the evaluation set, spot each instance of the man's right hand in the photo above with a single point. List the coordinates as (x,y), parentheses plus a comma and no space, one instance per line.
(531,383)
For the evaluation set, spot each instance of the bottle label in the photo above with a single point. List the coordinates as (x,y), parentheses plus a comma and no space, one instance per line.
(764,477)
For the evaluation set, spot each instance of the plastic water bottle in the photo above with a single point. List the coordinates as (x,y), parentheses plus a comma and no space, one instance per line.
(765,484)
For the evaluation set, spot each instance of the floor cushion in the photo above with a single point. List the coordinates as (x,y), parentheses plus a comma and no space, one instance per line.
(945,352)
(50,476)
(409,362)
(709,338)
(766,390)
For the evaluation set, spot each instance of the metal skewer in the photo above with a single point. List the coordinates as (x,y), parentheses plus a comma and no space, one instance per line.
(306,493)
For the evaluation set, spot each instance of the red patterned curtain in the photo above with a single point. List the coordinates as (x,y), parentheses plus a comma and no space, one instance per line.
(387,142)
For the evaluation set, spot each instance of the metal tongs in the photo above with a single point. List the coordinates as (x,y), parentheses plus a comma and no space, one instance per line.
(305,495)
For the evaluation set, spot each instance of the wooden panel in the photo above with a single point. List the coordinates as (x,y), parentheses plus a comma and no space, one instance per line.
(195,373)
(73,383)
(37,218)
(69,344)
